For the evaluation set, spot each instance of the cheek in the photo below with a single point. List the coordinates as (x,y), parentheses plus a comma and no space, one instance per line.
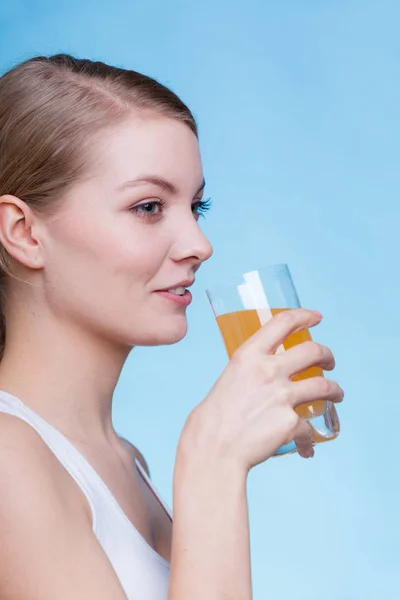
(102,278)
(95,257)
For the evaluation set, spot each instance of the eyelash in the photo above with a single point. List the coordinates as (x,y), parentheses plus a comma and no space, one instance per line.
(202,207)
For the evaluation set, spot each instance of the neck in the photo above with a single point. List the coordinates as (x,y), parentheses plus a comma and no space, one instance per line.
(64,374)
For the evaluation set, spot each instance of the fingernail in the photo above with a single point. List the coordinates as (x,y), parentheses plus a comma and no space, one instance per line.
(318,314)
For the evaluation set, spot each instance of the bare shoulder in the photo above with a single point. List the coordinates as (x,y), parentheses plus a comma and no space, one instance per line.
(20,443)
(135,453)
(25,460)
(42,522)
(32,478)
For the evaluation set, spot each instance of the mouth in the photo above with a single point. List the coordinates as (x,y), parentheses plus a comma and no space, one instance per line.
(178,288)
(178,291)
(178,294)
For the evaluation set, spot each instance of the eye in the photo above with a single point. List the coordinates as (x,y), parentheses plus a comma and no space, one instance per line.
(148,209)
(200,207)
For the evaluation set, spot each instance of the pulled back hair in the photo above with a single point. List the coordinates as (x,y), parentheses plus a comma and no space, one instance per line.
(51,109)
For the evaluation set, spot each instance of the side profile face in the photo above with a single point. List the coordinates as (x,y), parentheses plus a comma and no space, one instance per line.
(126,232)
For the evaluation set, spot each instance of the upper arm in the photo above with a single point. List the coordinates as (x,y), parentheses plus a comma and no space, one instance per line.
(47,546)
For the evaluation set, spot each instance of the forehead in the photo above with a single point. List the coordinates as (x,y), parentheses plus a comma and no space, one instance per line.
(155,145)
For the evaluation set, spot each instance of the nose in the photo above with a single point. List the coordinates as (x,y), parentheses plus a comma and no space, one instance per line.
(191,245)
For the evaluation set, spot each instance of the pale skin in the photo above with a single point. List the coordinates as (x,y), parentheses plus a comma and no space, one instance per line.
(94,269)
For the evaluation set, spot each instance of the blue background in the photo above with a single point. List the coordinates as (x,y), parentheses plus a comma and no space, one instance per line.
(298,106)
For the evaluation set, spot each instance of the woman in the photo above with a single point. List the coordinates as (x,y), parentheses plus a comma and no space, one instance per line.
(100,191)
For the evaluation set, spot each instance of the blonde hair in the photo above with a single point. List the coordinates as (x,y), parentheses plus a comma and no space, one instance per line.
(51,108)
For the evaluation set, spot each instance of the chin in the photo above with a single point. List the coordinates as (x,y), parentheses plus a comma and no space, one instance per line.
(166,334)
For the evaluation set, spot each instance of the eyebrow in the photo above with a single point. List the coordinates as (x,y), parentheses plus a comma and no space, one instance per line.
(159,182)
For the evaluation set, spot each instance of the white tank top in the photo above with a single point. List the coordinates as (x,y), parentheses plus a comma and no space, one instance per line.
(143,573)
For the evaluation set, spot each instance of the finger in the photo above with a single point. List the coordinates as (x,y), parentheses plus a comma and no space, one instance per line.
(306,355)
(315,388)
(271,335)
(303,440)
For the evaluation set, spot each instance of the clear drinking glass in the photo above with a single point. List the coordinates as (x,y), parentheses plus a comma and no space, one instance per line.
(243,305)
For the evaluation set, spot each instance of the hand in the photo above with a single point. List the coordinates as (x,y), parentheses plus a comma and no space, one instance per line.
(249,412)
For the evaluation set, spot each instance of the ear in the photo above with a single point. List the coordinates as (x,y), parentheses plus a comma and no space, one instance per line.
(18,232)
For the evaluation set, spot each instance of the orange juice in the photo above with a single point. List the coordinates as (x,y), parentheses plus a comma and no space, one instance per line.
(237,327)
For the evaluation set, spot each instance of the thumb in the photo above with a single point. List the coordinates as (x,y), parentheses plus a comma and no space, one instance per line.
(303,440)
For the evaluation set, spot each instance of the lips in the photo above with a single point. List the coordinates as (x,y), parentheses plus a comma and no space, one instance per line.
(178,293)
(178,288)
(180,300)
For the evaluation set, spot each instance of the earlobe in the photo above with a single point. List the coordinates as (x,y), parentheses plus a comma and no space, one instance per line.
(17,225)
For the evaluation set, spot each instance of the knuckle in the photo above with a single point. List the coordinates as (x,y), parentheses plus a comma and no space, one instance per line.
(240,355)
(270,370)
(262,368)
(339,393)
(286,317)
(282,395)
(324,386)
(313,350)
(327,357)
(258,373)
(316,351)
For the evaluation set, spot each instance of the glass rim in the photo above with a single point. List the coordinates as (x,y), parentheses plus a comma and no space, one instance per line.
(233,280)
